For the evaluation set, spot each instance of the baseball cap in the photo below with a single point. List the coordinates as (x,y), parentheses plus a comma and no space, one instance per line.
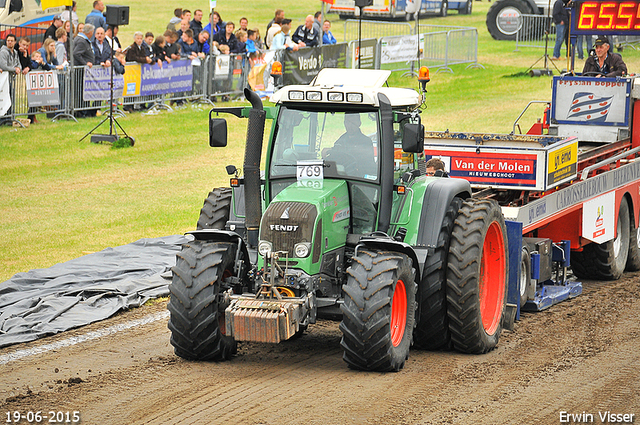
(56,17)
(601,40)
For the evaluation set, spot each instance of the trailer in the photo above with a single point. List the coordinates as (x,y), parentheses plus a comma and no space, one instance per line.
(574,192)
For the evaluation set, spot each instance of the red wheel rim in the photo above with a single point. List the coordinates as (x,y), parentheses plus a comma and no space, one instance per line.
(492,278)
(398,313)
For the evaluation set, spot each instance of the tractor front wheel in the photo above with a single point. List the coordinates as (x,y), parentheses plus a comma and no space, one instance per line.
(197,301)
(378,311)
(477,276)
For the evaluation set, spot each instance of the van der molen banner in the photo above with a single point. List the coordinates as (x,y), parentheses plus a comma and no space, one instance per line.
(302,66)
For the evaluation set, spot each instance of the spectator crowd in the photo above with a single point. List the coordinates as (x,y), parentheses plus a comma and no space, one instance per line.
(185,37)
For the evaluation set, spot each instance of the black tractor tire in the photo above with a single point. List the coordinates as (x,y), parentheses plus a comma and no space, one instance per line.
(444,8)
(524,276)
(378,311)
(466,10)
(495,10)
(608,260)
(477,276)
(633,259)
(197,303)
(432,328)
(215,211)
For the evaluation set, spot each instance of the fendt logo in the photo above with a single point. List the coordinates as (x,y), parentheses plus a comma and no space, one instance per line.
(283,228)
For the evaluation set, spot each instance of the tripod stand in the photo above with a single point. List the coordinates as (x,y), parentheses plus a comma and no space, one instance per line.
(547,60)
(113,132)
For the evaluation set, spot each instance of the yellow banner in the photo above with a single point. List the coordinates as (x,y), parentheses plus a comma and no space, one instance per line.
(46,4)
(132,80)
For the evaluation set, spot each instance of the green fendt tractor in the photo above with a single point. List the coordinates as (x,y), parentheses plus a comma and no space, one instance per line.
(343,224)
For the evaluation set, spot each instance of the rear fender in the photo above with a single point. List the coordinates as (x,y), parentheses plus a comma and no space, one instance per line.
(437,198)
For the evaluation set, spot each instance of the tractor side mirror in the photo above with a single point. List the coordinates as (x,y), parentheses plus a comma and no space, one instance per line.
(413,138)
(217,132)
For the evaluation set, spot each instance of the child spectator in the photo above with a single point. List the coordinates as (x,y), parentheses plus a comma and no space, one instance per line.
(61,46)
(258,40)
(241,36)
(37,63)
(175,21)
(23,54)
(119,62)
(250,44)
(159,53)
(327,37)
(148,41)
(171,48)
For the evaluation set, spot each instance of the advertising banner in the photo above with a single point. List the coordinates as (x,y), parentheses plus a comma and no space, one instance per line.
(402,48)
(502,169)
(97,84)
(366,53)
(5,94)
(145,80)
(172,77)
(302,66)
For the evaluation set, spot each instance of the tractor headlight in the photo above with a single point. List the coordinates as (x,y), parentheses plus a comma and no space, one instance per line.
(265,248)
(302,249)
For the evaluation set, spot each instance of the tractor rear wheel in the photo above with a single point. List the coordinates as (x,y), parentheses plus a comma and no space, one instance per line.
(215,211)
(378,311)
(477,276)
(432,329)
(197,302)
(605,261)
(633,259)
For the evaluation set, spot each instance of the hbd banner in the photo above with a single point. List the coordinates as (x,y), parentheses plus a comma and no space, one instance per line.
(42,88)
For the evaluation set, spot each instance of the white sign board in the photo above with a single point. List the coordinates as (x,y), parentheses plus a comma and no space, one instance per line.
(403,48)
(596,101)
(598,218)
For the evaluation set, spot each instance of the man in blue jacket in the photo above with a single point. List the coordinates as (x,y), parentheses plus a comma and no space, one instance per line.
(96,17)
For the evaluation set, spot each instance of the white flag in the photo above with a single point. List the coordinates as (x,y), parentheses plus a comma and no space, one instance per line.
(5,93)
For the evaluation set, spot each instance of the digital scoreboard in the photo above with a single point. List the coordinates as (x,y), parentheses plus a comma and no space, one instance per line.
(605,17)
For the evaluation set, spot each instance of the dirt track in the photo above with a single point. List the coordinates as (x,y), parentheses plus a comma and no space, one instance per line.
(580,356)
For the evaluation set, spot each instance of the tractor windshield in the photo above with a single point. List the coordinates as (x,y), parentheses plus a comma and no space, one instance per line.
(346,142)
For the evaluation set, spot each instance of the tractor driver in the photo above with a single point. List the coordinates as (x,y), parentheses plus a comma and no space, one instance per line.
(435,168)
(354,149)
(608,64)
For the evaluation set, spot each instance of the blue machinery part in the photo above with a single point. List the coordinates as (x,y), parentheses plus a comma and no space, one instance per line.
(549,292)
(555,290)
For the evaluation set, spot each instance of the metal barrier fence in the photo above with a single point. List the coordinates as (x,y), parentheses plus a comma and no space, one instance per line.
(36,35)
(533,30)
(375,29)
(441,46)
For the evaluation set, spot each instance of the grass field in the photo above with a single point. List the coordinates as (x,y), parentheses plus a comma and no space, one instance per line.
(61,198)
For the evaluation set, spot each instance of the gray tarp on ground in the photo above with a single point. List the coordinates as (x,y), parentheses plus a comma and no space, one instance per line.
(85,290)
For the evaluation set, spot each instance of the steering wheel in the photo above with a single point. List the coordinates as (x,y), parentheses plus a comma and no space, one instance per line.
(344,158)
(593,73)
